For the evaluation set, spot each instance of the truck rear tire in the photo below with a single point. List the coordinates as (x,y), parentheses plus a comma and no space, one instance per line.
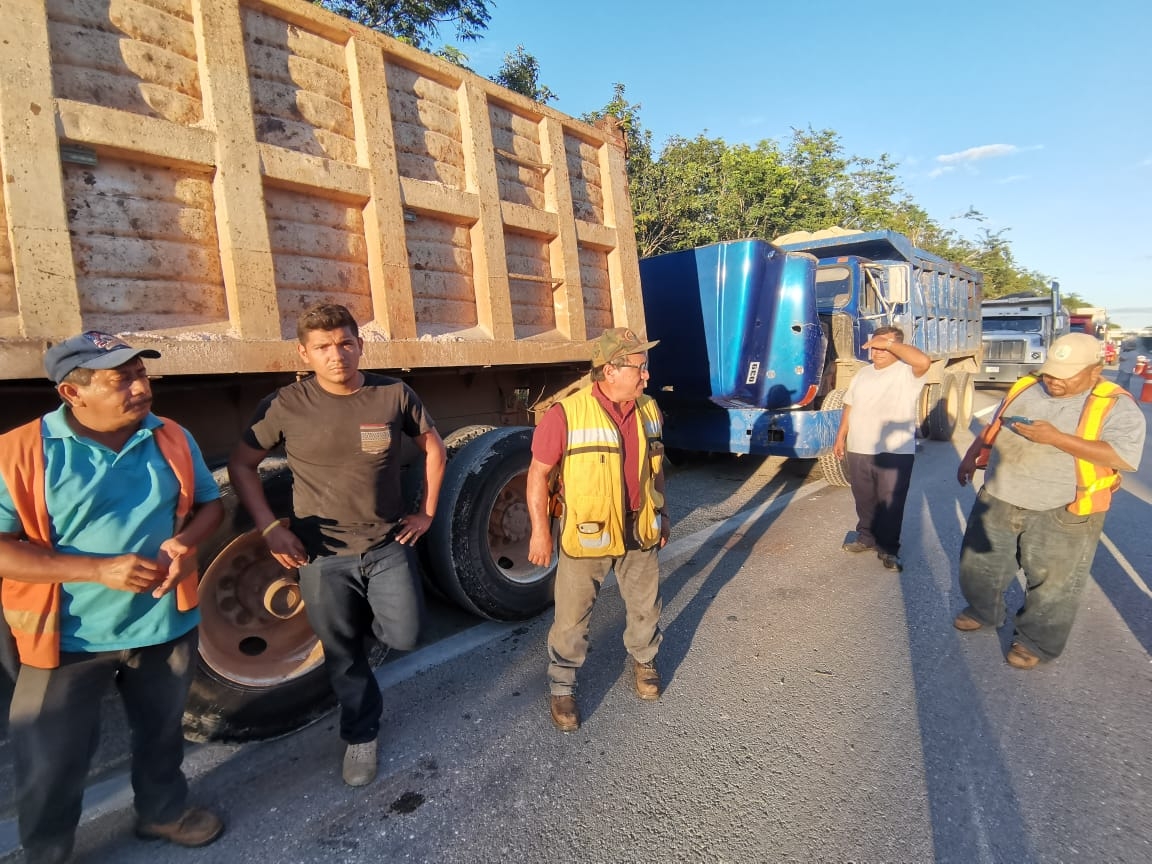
(260,672)
(478,542)
(834,469)
(945,409)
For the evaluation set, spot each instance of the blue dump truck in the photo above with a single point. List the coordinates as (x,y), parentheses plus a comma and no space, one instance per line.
(759,340)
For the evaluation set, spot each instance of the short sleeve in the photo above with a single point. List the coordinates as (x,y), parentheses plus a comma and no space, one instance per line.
(265,431)
(550,435)
(1125,429)
(416,418)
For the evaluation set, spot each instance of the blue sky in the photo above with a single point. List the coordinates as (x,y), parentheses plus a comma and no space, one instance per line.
(1037,115)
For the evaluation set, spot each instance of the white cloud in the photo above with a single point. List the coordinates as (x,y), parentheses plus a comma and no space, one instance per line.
(1012,178)
(984,151)
(1147,163)
(940,172)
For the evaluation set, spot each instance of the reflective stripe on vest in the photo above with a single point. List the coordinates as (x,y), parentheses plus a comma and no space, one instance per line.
(1094,483)
(32,609)
(593,479)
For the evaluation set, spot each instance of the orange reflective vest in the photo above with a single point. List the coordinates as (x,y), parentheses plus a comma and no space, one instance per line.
(32,609)
(1094,483)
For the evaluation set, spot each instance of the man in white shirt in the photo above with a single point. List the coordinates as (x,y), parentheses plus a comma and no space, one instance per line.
(877,438)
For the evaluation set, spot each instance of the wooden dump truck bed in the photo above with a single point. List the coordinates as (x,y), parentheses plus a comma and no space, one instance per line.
(194,173)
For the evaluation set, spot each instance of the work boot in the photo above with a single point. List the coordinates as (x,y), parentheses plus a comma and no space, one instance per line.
(360,764)
(565,714)
(197,827)
(1020,657)
(967,622)
(857,546)
(647,680)
(890,561)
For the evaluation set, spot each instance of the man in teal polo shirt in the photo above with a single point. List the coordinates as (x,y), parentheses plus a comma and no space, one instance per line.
(101,507)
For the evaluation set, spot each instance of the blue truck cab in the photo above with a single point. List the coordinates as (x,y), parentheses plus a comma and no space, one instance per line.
(759,341)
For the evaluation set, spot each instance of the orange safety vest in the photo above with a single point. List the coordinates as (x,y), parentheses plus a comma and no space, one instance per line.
(32,609)
(1094,483)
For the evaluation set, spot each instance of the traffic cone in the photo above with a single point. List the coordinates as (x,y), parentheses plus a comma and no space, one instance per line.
(1146,390)
(1141,366)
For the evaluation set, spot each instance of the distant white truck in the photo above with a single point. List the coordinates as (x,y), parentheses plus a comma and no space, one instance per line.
(1018,330)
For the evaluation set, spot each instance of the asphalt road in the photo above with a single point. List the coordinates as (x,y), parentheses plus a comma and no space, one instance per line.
(818,708)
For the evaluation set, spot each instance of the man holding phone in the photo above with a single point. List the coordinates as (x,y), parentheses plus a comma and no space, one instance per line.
(1049,483)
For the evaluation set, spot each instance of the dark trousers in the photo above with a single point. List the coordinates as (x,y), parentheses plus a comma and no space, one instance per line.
(347,598)
(54,724)
(1054,548)
(880,486)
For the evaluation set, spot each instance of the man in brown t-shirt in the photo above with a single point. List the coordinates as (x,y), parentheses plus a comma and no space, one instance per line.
(349,533)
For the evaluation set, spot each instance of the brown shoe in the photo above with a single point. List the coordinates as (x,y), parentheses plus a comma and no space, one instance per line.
(967,622)
(1019,657)
(565,714)
(647,680)
(197,827)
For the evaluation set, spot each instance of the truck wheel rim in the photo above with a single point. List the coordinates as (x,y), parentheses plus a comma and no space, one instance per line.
(241,638)
(509,533)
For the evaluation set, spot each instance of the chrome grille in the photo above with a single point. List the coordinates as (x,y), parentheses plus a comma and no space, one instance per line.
(1005,349)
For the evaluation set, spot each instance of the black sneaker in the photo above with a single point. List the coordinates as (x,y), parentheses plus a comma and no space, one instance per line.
(890,562)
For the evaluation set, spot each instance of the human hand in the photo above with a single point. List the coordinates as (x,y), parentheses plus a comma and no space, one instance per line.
(967,470)
(414,526)
(1037,431)
(882,343)
(178,560)
(286,548)
(540,548)
(839,449)
(129,572)
(665,529)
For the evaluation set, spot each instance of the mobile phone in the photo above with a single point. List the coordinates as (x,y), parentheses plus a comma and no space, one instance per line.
(1013,420)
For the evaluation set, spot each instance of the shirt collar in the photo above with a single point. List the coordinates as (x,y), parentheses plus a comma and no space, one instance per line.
(56,424)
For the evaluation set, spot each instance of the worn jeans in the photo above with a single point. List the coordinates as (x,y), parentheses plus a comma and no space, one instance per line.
(347,598)
(1054,548)
(55,728)
(578,583)
(880,484)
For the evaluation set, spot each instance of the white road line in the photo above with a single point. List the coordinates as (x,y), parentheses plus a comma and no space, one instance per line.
(1124,565)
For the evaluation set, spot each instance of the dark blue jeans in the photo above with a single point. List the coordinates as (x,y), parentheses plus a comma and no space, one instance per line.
(55,727)
(1054,548)
(880,488)
(347,598)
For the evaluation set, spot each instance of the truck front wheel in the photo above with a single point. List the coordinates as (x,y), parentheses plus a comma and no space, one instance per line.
(478,542)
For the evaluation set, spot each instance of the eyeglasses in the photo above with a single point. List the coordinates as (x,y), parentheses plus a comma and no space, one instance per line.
(643,367)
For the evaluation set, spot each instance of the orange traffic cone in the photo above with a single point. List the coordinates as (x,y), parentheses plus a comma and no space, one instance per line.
(1141,366)
(1146,390)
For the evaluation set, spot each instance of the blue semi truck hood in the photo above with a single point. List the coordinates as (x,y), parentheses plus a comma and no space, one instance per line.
(737,325)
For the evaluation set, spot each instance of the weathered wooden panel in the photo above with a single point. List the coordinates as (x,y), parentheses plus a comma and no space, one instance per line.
(530,284)
(425,151)
(144,245)
(587,187)
(318,249)
(300,93)
(594,275)
(132,55)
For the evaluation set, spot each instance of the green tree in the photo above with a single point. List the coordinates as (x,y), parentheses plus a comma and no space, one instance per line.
(521,74)
(416,22)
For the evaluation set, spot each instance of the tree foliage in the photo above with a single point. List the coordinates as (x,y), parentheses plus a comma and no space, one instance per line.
(703,190)
(416,22)
(520,73)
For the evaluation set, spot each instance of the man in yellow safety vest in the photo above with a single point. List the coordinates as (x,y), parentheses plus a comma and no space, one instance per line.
(1053,450)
